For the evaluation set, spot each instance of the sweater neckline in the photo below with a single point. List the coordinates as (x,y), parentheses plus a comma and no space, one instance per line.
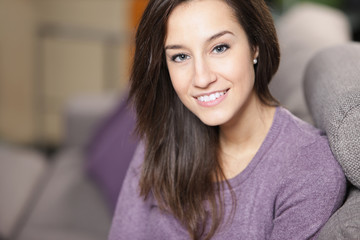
(265,146)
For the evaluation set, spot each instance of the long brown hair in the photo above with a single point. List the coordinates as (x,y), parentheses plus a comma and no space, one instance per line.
(181,167)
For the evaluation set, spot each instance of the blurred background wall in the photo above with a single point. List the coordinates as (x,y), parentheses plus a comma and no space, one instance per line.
(53,50)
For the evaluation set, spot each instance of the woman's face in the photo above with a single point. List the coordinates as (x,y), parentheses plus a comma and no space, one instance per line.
(210,60)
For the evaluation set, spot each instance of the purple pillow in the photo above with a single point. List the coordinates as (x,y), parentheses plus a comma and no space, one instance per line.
(111,151)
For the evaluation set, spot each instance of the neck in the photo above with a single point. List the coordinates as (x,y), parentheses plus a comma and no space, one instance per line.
(242,137)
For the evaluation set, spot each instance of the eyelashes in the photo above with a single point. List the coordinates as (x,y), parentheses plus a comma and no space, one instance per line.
(180,57)
(218,49)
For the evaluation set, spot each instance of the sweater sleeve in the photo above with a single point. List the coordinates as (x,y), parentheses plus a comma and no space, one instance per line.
(311,191)
(131,210)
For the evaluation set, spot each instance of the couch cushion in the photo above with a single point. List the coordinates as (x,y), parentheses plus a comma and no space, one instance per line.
(70,206)
(111,151)
(332,88)
(20,173)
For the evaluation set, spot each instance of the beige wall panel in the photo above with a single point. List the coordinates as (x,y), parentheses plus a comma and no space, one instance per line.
(53,127)
(17,27)
(70,64)
(109,15)
(71,67)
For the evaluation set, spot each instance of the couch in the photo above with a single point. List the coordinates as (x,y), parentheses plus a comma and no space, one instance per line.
(54,198)
(73,194)
(332,89)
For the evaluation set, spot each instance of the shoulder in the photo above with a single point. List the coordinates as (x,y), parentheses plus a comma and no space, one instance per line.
(301,131)
(311,185)
(311,167)
(310,145)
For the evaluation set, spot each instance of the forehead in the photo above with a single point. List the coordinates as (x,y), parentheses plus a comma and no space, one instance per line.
(202,17)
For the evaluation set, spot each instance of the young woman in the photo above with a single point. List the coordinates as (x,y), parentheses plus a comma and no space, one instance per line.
(219,159)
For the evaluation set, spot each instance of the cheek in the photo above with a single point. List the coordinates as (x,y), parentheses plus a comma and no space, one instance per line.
(237,70)
(237,65)
(180,80)
(175,81)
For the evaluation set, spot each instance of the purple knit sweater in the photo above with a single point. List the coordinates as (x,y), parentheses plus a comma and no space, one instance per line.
(288,191)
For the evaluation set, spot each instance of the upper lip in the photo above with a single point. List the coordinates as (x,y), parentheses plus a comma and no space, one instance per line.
(209,93)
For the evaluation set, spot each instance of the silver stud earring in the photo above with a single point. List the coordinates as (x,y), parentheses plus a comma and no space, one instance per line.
(255,61)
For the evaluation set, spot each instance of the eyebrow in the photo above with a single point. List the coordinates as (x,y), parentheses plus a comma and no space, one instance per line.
(222,33)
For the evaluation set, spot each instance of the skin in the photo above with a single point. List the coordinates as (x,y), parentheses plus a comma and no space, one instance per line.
(207,52)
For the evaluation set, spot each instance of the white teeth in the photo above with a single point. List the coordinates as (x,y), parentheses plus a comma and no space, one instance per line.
(211,97)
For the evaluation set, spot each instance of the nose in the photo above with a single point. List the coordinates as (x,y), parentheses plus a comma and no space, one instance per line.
(203,74)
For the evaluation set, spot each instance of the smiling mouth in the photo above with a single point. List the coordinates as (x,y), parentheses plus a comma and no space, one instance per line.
(211,97)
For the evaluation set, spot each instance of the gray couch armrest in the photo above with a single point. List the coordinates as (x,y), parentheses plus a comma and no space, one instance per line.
(332,88)
(82,116)
(345,223)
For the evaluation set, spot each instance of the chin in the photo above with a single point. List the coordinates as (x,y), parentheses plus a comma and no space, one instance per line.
(212,121)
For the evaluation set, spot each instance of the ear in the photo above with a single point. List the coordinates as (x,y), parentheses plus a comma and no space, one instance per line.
(256,52)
